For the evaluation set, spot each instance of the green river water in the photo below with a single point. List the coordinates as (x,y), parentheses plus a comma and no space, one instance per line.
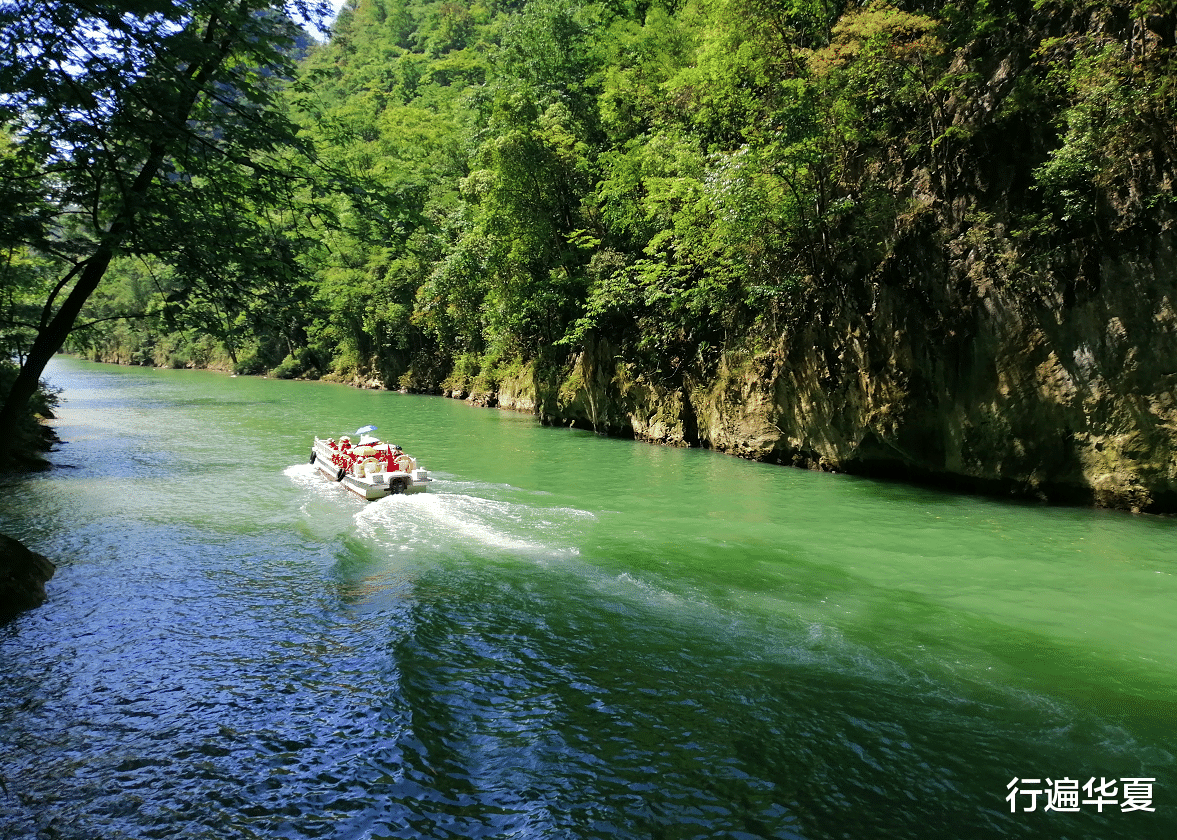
(568,636)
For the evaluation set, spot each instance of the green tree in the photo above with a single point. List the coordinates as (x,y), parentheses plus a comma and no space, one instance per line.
(143,127)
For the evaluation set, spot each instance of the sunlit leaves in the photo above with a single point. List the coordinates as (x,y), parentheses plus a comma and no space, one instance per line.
(1120,119)
(515,174)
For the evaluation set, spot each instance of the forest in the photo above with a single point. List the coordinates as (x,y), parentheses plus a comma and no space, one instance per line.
(690,194)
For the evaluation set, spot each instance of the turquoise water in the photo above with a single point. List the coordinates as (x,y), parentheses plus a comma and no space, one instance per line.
(568,636)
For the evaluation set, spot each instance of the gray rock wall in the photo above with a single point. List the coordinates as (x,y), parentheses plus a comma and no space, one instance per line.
(1067,400)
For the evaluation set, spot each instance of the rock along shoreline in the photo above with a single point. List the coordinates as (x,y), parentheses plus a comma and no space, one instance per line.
(23,574)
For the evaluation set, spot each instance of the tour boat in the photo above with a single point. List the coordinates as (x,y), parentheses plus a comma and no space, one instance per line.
(372,468)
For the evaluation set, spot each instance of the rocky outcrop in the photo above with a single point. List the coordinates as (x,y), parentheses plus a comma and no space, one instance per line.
(1071,400)
(22,578)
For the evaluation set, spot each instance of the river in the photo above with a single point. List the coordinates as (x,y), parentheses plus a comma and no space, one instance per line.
(568,636)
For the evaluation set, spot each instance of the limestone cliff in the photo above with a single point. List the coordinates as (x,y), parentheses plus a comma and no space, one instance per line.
(1071,401)
(930,375)
(1013,331)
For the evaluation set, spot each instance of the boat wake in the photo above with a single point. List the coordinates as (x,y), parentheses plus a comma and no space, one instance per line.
(456,521)
(306,477)
(454,516)
(300,472)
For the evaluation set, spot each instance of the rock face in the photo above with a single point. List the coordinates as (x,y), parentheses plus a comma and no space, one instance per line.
(1067,400)
(1071,400)
(22,578)
(996,344)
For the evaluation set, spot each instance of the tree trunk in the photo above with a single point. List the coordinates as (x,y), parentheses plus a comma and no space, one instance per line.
(54,330)
(49,340)
(56,326)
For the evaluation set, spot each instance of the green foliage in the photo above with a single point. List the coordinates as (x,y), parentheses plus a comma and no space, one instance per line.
(1119,117)
(512,179)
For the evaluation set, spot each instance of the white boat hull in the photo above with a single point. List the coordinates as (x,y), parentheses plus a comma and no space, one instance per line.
(372,485)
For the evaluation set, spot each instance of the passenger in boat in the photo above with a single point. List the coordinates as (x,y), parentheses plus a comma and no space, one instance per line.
(346,455)
(331,442)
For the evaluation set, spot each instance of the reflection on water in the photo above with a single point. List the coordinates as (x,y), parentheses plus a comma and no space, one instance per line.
(683,645)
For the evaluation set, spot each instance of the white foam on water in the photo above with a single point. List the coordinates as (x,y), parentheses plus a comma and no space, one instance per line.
(324,503)
(300,473)
(308,477)
(448,520)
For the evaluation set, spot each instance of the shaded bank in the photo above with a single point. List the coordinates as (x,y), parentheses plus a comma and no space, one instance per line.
(23,572)
(24,448)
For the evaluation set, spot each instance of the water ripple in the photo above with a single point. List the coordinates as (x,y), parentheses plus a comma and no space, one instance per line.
(237,649)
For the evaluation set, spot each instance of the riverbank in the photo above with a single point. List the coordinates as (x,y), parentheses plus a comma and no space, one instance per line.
(1037,429)
(33,437)
(1066,437)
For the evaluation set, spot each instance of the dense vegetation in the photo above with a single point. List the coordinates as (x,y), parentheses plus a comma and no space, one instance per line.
(670,176)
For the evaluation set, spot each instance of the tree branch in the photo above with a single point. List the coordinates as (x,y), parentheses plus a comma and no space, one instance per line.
(124,317)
